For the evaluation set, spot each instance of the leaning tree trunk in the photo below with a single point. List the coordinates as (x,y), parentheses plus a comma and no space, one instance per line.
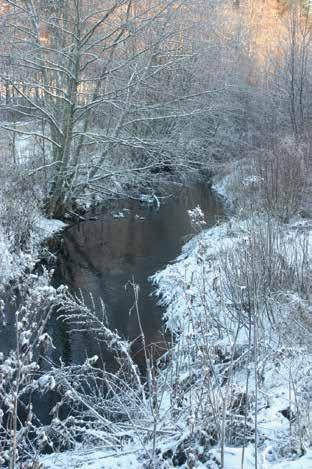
(59,196)
(58,200)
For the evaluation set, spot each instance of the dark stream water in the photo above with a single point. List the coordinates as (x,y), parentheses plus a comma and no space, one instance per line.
(100,256)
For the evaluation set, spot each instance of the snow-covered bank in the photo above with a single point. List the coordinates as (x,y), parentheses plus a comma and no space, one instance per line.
(12,261)
(45,227)
(238,302)
(203,317)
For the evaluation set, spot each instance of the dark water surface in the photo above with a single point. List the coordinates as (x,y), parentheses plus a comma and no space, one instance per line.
(101,256)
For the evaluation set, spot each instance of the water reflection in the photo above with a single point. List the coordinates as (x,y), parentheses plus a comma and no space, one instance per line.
(101,256)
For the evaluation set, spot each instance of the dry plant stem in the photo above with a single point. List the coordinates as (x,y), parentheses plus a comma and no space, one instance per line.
(151,378)
(247,389)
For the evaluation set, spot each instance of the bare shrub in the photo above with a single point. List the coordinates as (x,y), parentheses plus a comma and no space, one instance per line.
(283,175)
(18,205)
(265,263)
(274,180)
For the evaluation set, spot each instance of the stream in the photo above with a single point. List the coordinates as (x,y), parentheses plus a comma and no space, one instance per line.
(130,241)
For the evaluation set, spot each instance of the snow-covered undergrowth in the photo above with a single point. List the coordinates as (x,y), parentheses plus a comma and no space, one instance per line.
(238,301)
(14,262)
(21,377)
(275,182)
(26,300)
(23,228)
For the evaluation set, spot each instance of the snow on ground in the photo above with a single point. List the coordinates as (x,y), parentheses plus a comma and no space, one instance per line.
(233,458)
(47,227)
(93,459)
(220,186)
(24,148)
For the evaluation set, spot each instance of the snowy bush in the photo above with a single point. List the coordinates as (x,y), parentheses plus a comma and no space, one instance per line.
(20,375)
